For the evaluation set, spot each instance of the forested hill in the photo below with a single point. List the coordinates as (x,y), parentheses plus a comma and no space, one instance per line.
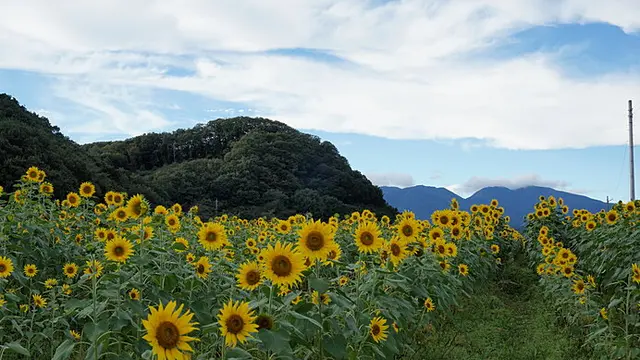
(245,166)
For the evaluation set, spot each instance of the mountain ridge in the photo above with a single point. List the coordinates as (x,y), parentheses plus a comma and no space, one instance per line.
(423,199)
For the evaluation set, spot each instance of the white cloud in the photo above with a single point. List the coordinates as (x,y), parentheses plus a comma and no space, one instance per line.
(476,183)
(391,179)
(408,74)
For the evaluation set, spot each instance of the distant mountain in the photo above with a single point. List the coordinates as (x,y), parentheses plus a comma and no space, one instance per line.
(423,200)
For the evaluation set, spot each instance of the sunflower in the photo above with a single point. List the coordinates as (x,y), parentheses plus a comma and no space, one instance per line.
(283,227)
(436,233)
(203,267)
(50,283)
(134,294)
(93,268)
(408,229)
(30,270)
(137,206)
(74,334)
(236,322)
(6,267)
(87,189)
(173,222)
(590,225)
(368,238)
(176,208)
(578,286)
(118,249)
(378,329)
(190,258)
(181,244)
(46,188)
(314,239)
(160,210)
(212,236)
(316,298)
(343,281)
(603,313)
(397,250)
(167,330)
(567,271)
(248,276)
(334,254)
(635,273)
(282,264)
(73,199)
(495,248)
(120,214)
(429,305)
(463,269)
(70,270)
(39,301)
(66,289)
(33,174)
(264,321)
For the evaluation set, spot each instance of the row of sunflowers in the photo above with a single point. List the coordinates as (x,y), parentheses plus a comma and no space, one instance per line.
(115,278)
(588,264)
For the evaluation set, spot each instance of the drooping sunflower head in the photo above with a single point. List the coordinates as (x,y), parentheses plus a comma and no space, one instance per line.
(282,264)
(137,206)
(167,331)
(87,189)
(378,329)
(202,267)
(367,237)
(6,267)
(93,268)
(212,236)
(46,188)
(118,249)
(237,322)
(249,277)
(264,321)
(314,239)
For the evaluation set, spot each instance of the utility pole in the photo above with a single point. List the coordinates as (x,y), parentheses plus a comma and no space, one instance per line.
(631,172)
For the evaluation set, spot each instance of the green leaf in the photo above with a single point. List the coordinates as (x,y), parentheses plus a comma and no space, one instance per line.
(238,354)
(297,315)
(64,350)
(278,342)
(319,284)
(336,346)
(15,346)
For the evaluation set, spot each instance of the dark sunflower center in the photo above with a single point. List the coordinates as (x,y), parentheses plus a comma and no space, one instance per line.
(109,198)
(332,254)
(122,214)
(253,277)
(567,270)
(69,270)
(172,222)
(33,175)
(137,208)
(31,271)
(86,190)
(455,231)
(395,249)
(565,255)
(200,269)
(315,241)
(375,329)
(211,236)
(72,199)
(235,324)
(264,322)
(580,286)
(444,220)
(2,268)
(612,217)
(441,249)
(281,265)
(117,199)
(443,265)
(111,236)
(167,335)
(407,230)
(366,238)
(283,227)
(118,250)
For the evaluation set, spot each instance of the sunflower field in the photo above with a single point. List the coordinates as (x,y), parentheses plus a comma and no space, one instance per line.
(588,264)
(115,278)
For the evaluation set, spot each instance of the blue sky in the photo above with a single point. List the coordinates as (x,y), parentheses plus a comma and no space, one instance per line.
(414,92)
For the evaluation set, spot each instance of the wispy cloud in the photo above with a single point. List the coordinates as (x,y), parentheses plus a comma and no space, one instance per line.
(391,179)
(397,69)
(476,183)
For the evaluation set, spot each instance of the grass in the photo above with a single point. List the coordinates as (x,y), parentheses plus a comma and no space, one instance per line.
(505,319)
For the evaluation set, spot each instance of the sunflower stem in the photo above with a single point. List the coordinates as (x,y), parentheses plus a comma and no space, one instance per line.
(321,349)
(94,292)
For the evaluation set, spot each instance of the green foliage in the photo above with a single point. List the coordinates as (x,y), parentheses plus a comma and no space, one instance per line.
(249,167)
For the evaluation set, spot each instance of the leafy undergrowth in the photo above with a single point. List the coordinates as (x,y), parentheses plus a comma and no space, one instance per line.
(506,318)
